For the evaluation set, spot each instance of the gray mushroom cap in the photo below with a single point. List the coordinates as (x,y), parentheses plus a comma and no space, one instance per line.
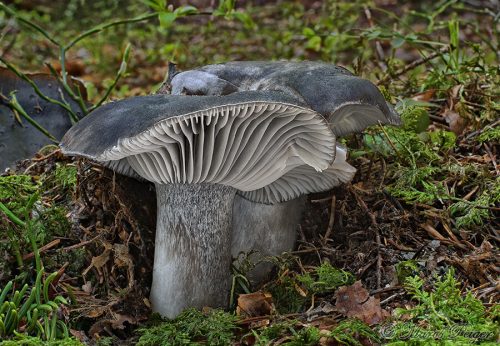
(246,140)
(348,102)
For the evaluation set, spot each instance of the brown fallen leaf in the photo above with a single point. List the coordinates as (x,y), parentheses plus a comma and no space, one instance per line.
(117,322)
(476,265)
(254,304)
(425,96)
(99,262)
(355,301)
(456,123)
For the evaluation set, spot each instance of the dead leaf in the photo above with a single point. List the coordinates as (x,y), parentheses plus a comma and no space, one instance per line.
(425,96)
(87,287)
(355,301)
(456,123)
(80,335)
(119,321)
(325,308)
(96,312)
(475,265)
(254,304)
(98,262)
(259,324)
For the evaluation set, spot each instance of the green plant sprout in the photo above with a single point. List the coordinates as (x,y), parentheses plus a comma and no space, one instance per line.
(32,313)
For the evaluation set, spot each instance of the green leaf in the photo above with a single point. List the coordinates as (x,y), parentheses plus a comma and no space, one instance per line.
(225,8)
(167,18)
(308,32)
(185,11)
(314,43)
(245,19)
(157,5)
(397,42)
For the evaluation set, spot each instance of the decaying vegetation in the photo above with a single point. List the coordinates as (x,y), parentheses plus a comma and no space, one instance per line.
(410,245)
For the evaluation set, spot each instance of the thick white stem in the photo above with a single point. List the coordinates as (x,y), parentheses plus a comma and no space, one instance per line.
(192,247)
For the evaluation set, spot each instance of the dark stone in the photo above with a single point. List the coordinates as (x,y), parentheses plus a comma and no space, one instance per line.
(18,141)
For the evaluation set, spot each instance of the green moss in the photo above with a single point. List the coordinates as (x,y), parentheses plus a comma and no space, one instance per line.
(325,278)
(106,341)
(415,119)
(55,222)
(16,191)
(65,175)
(308,336)
(265,336)
(468,214)
(286,297)
(348,332)
(404,269)
(191,327)
(443,314)
(490,134)
(442,140)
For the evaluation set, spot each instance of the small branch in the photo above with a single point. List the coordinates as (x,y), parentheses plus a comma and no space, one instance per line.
(81,244)
(378,47)
(71,93)
(375,225)
(119,74)
(331,221)
(414,64)
(492,158)
(38,91)
(100,28)
(15,106)
(44,248)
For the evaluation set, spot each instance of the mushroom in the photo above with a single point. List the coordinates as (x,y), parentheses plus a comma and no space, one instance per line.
(348,102)
(199,151)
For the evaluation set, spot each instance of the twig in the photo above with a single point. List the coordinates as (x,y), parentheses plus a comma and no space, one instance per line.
(102,27)
(378,47)
(377,236)
(493,161)
(16,107)
(331,221)
(385,289)
(414,64)
(388,299)
(46,247)
(77,98)
(37,90)
(43,158)
(121,72)
(81,244)
(321,200)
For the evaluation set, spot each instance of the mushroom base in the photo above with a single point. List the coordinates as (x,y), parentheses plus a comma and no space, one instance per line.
(192,250)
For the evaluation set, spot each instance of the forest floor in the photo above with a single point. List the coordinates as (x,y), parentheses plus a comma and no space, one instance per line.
(411,244)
